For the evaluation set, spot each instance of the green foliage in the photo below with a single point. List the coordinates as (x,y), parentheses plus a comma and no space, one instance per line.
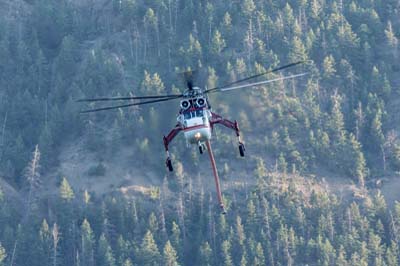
(218,43)
(3,255)
(97,170)
(66,192)
(170,257)
(105,255)
(150,254)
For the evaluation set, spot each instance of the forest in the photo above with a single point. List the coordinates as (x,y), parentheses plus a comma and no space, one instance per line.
(340,122)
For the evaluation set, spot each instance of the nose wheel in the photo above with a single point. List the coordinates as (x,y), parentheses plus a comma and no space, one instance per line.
(201,148)
(241,149)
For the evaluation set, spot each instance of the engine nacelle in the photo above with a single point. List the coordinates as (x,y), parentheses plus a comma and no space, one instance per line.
(200,102)
(185,104)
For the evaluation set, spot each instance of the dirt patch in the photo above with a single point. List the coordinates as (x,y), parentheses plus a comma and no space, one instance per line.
(391,189)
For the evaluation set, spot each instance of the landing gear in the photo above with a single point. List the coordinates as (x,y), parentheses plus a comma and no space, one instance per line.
(202,148)
(241,149)
(168,162)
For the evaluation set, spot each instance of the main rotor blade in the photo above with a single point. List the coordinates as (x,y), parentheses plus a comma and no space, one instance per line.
(255,76)
(127,105)
(262,82)
(129,98)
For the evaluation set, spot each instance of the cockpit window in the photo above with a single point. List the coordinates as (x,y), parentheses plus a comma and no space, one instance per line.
(193,114)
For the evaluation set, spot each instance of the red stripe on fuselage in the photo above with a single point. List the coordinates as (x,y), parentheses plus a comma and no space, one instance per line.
(194,127)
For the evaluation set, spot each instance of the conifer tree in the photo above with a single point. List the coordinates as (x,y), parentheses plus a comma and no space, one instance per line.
(149,252)
(206,254)
(218,43)
(170,257)
(226,256)
(46,242)
(3,255)
(297,50)
(66,192)
(127,262)
(105,256)
(87,244)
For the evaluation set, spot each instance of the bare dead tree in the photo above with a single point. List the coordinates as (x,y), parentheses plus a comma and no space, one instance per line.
(13,253)
(3,131)
(32,175)
(56,239)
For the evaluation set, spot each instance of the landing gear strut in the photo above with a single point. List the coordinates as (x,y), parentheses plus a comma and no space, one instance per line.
(167,139)
(217,119)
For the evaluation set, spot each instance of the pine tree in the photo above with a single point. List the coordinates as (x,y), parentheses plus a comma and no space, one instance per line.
(66,192)
(206,255)
(248,8)
(170,257)
(150,255)
(297,50)
(391,255)
(261,170)
(240,233)
(87,244)
(153,223)
(226,256)
(105,256)
(282,164)
(357,167)
(127,262)
(218,43)
(259,258)
(329,68)
(176,237)
(226,24)
(45,237)
(3,255)
(341,257)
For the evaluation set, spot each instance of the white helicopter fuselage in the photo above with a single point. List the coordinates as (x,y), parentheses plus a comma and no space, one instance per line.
(196,125)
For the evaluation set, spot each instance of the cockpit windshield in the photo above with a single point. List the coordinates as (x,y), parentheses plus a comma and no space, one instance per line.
(193,114)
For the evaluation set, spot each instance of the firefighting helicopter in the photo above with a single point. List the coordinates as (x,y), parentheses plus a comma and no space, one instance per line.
(195,118)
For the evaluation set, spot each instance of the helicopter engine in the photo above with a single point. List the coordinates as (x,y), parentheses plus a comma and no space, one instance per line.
(185,104)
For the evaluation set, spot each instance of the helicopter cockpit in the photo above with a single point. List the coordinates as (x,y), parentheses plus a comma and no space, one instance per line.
(193,114)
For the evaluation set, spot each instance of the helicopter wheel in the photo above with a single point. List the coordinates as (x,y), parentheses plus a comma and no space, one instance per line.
(201,149)
(169,165)
(241,149)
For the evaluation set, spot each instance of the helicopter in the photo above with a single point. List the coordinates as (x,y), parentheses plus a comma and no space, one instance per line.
(195,117)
